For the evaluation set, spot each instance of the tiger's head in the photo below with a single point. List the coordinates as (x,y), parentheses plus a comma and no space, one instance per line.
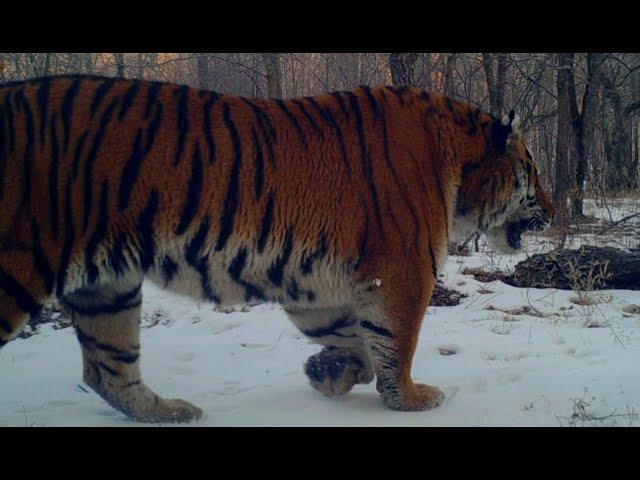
(501,195)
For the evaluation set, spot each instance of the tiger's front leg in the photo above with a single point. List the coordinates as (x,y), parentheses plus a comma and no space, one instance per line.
(343,362)
(107,323)
(392,314)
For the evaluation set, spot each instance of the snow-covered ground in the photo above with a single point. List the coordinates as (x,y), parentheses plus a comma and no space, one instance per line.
(558,363)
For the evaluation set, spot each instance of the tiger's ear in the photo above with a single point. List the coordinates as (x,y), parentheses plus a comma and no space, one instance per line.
(505,130)
(511,119)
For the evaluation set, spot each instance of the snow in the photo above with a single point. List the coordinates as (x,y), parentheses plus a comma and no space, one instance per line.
(558,363)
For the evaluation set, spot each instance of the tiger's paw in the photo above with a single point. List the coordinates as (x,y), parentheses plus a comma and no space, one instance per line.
(334,371)
(416,398)
(171,411)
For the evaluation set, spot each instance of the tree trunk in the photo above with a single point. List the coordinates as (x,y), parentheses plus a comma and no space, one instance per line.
(631,162)
(561,181)
(204,80)
(621,172)
(119,58)
(47,64)
(403,69)
(274,75)
(634,144)
(577,192)
(620,175)
(501,82)
(427,81)
(583,125)
(449,86)
(590,112)
(495,81)
(88,63)
(487,64)
(140,67)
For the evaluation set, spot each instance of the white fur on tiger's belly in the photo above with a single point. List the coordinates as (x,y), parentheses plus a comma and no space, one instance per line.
(326,286)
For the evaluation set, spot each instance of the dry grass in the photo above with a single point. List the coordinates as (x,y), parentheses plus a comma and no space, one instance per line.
(583,415)
(588,299)
(585,280)
(523,310)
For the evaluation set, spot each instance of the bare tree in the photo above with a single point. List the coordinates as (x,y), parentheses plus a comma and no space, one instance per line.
(119,59)
(140,65)
(561,183)
(583,123)
(496,79)
(274,75)
(621,170)
(449,86)
(204,75)
(403,69)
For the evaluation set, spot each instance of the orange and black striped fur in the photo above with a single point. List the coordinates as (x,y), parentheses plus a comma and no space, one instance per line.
(339,207)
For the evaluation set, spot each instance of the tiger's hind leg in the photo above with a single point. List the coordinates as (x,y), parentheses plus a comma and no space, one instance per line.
(23,290)
(334,371)
(107,322)
(342,363)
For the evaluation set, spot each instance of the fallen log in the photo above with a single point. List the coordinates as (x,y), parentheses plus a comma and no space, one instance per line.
(587,268)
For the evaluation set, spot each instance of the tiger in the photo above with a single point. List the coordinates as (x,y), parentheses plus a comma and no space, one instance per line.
(338,207)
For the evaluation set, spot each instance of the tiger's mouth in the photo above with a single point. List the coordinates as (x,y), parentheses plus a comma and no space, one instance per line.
(507,236)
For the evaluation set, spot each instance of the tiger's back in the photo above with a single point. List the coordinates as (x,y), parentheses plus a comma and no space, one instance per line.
(339,207)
